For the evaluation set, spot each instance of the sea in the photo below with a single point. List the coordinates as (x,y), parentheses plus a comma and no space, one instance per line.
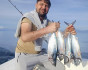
(8,44)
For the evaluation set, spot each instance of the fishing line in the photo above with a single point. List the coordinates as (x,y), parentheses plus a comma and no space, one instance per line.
(15,7)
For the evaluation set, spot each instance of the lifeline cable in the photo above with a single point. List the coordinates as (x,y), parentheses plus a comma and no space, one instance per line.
(15,7)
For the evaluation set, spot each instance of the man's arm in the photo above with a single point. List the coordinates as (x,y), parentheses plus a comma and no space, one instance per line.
(28,35)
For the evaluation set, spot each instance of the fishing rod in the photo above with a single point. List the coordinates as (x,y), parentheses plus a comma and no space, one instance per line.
(15,7)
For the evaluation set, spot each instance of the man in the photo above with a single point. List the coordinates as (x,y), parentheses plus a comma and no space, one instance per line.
(32,29)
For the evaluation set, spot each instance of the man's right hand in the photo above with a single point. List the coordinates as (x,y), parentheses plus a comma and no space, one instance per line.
(53,27)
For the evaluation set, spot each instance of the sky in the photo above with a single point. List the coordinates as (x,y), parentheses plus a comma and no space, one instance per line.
(61,10)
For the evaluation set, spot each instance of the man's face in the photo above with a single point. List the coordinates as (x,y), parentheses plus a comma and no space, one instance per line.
(42,8)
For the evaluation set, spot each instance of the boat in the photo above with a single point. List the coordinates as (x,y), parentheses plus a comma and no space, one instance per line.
(10,65)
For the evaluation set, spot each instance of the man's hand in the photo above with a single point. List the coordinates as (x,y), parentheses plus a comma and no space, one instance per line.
(70,29)
(53,27)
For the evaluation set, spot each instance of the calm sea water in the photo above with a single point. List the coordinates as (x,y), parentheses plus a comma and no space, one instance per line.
(8,41)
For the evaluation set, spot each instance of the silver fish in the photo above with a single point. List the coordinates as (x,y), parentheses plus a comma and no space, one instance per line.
(52,49)
(76,50)
(75,47)
(61,45)
(68,49)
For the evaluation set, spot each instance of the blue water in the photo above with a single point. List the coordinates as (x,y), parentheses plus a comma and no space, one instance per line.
(7,39)
(7,45)
(83,40)
(5,55)
(8,42)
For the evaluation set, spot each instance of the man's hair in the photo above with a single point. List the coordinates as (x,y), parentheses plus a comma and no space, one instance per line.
(46,1)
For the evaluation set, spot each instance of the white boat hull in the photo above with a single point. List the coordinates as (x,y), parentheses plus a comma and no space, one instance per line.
(10,65)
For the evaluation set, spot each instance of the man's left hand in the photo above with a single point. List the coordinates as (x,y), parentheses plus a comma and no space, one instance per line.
(70,29)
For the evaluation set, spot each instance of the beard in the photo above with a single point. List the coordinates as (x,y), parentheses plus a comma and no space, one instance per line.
(42,15)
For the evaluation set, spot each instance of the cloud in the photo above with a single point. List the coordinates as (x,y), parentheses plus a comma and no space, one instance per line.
(2,27)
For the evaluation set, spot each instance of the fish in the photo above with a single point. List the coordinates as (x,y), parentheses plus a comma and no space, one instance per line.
(60,45)
(76,50)
(52,49)
(75,47)
(68,49)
